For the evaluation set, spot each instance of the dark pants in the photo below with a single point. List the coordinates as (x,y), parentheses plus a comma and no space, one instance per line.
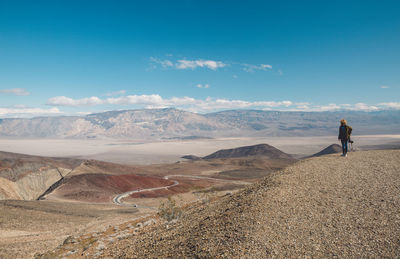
(344,146)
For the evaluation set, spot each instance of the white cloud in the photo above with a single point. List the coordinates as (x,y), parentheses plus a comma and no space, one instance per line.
(84,113)
(120,92)
(390,105)
(66,101)
(252,68)
(178,101)
(192,64)
(329,107)
(302,106)
(7,112)
(210,64)
(308,107)
(364,107)
(164,63)
(274,104)
(384,86)
(15,91)
(155,100)
(214,104)
(203,86)
(187,64)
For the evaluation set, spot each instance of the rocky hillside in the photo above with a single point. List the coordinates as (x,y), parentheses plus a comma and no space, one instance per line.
(263,150)
(177,124)
(24,177)
(322,207)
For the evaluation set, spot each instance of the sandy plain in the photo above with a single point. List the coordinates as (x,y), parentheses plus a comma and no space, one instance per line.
(141,152)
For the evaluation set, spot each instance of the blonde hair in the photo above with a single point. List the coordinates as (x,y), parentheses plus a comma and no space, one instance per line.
(343,122)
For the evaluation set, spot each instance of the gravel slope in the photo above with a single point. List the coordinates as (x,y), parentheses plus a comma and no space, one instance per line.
(326,206)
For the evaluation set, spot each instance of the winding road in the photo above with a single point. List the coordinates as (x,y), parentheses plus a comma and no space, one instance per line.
(118,198)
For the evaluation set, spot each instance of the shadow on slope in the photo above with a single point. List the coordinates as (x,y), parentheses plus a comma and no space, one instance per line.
(332,149)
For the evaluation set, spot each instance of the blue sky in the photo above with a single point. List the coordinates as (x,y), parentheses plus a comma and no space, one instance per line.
(76,57)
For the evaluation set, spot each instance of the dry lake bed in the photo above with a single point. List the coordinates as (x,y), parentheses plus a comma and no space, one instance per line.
(142,152)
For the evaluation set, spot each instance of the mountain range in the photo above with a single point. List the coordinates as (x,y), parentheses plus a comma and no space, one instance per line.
(157,124)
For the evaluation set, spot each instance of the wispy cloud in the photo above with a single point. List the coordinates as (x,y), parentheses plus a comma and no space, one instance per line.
(163,63)
(210,64)
(188,64)
(120,92)
(203,86)
(192,64)
(66,101)
(384,87)
(27,111)
(252,68)
(15,91)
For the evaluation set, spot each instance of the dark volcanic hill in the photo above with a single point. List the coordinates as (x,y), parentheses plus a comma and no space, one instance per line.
(263,150)
(191,157)
(332,149)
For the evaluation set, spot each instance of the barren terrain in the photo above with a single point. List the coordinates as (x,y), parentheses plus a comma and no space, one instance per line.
(323,207)
(81,200)
(28,227)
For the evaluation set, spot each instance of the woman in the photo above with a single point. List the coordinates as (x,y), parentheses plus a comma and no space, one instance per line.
(344,136)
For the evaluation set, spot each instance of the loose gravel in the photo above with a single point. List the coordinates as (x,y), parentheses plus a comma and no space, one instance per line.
(323,207)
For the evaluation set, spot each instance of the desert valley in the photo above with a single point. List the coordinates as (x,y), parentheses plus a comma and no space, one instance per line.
(97,192)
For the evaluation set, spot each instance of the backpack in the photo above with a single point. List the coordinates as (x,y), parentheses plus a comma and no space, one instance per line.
(349,130)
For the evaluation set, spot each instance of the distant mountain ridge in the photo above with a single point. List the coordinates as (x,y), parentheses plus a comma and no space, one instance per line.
(157,124)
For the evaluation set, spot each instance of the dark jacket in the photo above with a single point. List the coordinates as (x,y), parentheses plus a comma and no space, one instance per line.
(343,133)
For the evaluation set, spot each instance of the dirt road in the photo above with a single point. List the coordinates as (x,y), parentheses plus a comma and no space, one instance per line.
(118,198)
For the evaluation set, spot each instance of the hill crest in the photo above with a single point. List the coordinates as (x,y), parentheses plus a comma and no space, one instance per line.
(331,149)
(263,150)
